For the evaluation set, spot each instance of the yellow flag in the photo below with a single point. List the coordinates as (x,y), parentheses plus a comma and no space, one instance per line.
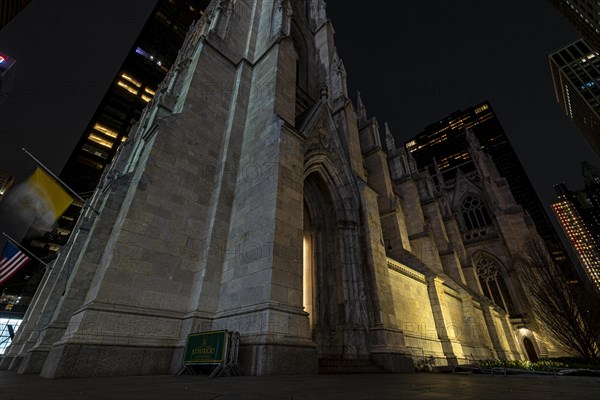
(49,190)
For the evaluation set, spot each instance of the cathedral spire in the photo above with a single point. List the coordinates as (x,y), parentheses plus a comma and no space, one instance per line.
(472,140)
(482,160)
(412,162)
(438,173)
(409,162)
(337,77)
(389,139)
(361,110)
(318,12)
(436,166)
(281,18)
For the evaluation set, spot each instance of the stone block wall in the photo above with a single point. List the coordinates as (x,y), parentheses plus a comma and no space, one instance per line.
(461,318)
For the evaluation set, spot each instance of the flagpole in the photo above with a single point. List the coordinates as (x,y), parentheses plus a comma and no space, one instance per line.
(38,162)
(13,241)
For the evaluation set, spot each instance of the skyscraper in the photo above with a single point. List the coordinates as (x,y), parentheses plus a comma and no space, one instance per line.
(583,15)
(10,8)
(576,76)
(7,74)
(145,66)
(443,145)
(589,199)
(568,209)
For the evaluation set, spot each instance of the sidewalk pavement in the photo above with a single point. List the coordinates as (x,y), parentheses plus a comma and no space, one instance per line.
(337,387)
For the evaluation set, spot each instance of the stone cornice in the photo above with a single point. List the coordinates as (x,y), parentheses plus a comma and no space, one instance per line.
(404,270)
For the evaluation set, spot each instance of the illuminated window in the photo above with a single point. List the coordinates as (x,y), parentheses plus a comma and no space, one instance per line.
(101,141)
(149,91)
(146,98)
(105,130)
(481,109)
(131,80)
(127,87)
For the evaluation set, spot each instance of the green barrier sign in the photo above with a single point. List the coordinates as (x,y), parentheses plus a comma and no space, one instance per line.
(205,348)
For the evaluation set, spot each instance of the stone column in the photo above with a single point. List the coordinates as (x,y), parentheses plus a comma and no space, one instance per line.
(355,293)
(510,337)
(495,334)
(387,344)
(477,333)
(443,322)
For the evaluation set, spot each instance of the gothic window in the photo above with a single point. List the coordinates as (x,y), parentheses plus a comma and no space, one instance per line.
(475,215)
(303,69)
(493,283)
(302,62)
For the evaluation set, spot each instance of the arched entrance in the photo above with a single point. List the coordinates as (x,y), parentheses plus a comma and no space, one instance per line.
(530,349)
(323,285)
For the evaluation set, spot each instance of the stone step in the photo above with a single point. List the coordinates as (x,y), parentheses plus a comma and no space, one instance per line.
(348,366)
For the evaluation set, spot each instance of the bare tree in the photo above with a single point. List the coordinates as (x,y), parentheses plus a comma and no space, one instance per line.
(567,313)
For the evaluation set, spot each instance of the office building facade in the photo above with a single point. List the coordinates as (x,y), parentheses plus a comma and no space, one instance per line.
(584,15)
(568,211)
(576,78)
(589,199)
(145,66)
(9,9)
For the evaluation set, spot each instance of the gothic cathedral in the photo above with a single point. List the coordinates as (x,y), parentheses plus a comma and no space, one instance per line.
(254,196)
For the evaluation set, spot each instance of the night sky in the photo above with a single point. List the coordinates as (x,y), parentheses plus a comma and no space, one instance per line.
(414,62)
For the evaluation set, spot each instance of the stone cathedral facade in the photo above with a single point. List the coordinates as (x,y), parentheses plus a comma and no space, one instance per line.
(255,196)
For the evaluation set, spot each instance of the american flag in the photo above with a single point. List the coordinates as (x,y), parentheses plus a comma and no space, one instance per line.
(12,260)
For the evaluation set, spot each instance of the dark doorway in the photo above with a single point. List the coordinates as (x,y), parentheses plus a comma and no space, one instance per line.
(530,349)
(323,288)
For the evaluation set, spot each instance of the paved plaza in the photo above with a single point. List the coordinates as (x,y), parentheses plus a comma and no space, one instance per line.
(339,387)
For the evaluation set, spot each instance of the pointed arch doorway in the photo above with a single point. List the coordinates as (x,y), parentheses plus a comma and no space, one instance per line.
(323,293)
(530,349)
